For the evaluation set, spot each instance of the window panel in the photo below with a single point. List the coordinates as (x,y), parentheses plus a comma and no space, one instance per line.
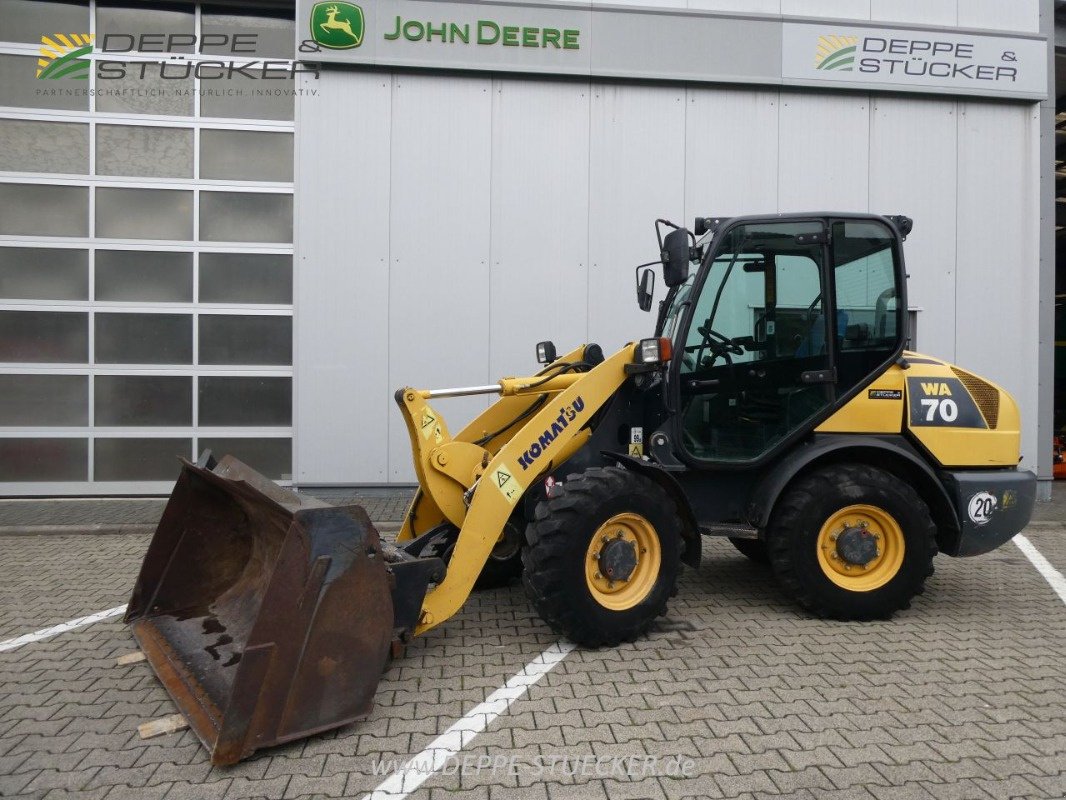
(20,87)
(216,102)
(143,213)
(44,459)
(119,21)
(138,459)
(140,88)
(142,400)
(44,147)
(246,155)
(245,401)
(275,32)
(245,339)
(143,338)
(26,20)
(144,151)
(51,337)
(44,400)
(272,457)
(42,273)
(245,217)
(245,278)
(32,210)
(146,276)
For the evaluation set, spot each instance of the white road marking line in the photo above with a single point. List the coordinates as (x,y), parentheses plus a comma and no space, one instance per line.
(420,768)
(45,633)
(1043,566)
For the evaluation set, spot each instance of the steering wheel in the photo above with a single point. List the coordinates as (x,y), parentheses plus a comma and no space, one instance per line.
(727,344)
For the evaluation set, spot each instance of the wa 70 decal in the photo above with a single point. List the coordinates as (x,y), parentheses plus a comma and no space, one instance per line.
(942,403)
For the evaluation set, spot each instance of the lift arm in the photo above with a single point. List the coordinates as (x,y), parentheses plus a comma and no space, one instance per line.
(498,481)
(446,469)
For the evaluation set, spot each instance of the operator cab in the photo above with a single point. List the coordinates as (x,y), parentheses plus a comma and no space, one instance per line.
(785,319)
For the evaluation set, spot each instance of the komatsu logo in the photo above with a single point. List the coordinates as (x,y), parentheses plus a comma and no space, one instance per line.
(567,414)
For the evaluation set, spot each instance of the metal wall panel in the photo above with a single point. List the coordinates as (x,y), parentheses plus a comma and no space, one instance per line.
(998,260)
(540,221)
(637,168)
(439,290)
(746,6)
(1007,15)
(918,12)
(731,144)
(912,171)
(488,214)
(824,153)
(841,9)
(343,390)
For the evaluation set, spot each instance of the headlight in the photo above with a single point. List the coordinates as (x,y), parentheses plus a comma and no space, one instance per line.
(654,351)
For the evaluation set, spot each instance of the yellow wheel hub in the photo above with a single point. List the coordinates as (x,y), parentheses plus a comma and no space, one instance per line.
(622,561)
(860,548)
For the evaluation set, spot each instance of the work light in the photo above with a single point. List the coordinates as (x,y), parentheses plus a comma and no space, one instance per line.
(545,352)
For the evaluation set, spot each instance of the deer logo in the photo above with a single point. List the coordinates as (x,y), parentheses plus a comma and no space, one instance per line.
(337,25)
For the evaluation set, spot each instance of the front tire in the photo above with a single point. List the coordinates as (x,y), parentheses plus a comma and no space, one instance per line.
(852,542)
(603,556)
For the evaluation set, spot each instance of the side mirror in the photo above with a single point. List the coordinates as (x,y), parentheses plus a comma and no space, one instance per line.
(645,288)
(675,256)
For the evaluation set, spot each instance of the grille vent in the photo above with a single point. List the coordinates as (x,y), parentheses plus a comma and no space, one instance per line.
(984,394)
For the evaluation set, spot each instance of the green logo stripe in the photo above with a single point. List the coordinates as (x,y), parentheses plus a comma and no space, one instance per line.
(842,57)
(841,65)
(63,65)
(77,66)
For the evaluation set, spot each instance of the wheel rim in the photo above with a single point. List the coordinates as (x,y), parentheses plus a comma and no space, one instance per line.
(851,536)
(613,579)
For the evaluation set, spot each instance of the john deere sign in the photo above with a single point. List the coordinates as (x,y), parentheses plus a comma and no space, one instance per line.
(337,26)
(672,44)
(486,31)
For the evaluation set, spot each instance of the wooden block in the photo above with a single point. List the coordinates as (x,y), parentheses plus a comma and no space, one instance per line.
(129,658)
(158,727)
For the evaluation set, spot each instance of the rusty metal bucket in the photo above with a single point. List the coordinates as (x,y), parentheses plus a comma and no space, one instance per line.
(268,616)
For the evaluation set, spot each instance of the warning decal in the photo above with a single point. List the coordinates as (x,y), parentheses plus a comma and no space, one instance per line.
(507,484)
(430,426)
(427,422)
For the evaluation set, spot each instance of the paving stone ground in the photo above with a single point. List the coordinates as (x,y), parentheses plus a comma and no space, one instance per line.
(82,514)
(961,696)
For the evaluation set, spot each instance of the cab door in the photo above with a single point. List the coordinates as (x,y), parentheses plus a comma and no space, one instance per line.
(754,363)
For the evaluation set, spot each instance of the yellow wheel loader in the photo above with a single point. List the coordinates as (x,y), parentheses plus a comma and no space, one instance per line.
(775,405)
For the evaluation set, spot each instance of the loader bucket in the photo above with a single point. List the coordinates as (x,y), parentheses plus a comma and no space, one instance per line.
(266,615)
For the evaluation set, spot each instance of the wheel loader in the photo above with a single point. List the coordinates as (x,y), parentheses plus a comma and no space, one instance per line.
(775,405)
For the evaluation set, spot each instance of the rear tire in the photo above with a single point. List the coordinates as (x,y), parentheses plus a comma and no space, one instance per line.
(755,549)
(879,512)
(566,556)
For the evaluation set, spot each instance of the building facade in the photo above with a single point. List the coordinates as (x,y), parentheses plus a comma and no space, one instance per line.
(254,263)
